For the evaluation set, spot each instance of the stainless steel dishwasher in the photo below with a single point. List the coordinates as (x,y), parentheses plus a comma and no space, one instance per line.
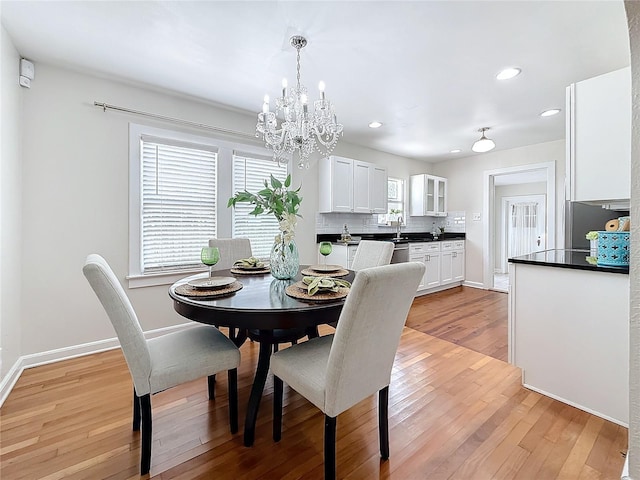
(400,253)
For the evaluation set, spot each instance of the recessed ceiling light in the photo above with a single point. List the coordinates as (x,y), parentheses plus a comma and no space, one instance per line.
(375,125)
(551,112)
(456,150)
(508,73)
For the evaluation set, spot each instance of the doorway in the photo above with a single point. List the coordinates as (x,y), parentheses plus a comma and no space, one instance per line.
(531,181)
(521,228)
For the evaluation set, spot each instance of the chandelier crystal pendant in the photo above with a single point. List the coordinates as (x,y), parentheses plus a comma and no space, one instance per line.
(300,129)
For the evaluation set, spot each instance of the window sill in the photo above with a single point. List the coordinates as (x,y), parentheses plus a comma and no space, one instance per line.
(161,278)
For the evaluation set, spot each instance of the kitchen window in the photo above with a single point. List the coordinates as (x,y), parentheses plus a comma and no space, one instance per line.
(395,202)
(249,173)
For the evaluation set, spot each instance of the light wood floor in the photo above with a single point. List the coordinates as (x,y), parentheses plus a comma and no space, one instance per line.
(453,413)
(473,318)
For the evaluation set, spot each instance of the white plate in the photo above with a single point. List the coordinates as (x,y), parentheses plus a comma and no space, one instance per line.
(325,268)
(213,282)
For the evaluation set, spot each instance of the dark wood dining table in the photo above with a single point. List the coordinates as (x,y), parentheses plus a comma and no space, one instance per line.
(261,306)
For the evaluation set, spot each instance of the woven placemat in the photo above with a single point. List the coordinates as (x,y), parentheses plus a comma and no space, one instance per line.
(240,271)
(187,290)
(299,290)
(312,273)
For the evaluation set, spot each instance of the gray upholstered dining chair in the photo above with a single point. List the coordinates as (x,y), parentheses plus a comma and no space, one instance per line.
(372,253)
(335,372)
(231,250)
(162,362)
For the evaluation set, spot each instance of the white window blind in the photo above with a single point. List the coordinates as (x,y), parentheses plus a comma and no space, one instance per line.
(178,203)
(249,173)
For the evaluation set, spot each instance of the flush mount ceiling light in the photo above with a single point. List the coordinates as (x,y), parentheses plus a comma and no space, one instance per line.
(299,129)
(508,73)
(484,144)
(551,112)
(375,125)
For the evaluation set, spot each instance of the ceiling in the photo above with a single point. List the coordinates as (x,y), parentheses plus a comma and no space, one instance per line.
(425,69)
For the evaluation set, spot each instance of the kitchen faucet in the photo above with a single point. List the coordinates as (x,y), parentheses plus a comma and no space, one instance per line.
(398,226)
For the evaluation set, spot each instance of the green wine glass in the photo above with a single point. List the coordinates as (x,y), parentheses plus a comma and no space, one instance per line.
(210,256)
(325,249)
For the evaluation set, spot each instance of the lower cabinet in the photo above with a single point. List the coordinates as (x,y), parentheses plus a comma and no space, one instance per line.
(443,261)
(452,262)
(432,272)
(340,255)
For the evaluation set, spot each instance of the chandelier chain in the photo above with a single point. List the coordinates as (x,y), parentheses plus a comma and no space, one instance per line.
(298,69)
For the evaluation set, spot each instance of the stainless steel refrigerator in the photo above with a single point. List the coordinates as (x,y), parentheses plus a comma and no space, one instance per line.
(581,218)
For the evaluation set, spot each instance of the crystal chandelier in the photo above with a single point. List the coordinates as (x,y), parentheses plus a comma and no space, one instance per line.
(299,128)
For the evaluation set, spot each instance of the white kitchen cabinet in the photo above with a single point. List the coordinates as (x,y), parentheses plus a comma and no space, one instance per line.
(340,255)
(335,184)
(452,262)
(428,196)
(379,189)
(432,273)
(598,155)
(347,185)
(429,255)
(419,258)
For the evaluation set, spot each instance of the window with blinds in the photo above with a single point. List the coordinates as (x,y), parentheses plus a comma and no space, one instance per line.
(178,203)
(249,173)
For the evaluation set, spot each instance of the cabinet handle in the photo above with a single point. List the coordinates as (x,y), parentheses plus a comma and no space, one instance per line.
(454,254)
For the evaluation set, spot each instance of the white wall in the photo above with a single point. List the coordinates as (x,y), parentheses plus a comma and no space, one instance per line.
(633,19)
(75,200)
(10,206)
(75,161)
(466,191)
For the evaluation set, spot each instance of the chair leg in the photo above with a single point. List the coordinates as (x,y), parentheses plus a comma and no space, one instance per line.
(211,382)
(145,454)
(277,408)
(383,421)
(232,376)
(329,447)
(136,411)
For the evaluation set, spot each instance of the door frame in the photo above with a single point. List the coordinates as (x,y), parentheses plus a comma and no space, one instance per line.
(489,195)
(504,219)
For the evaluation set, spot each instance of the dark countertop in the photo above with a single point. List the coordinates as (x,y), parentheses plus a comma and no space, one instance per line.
(575,259)
(409,237)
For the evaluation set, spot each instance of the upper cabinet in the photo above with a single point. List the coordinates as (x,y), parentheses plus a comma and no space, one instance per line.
(347,185)
(599,138)
(428,196)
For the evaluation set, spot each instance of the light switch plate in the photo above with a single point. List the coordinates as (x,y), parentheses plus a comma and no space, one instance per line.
(476,217)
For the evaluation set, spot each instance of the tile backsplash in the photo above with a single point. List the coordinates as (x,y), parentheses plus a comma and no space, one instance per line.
(358,223)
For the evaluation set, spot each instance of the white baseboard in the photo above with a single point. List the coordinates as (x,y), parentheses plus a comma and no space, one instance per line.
(67,353)
(625,468)
(479,285)
(574,404)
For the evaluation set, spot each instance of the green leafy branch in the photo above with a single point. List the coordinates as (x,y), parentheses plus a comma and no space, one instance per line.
(275,198)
